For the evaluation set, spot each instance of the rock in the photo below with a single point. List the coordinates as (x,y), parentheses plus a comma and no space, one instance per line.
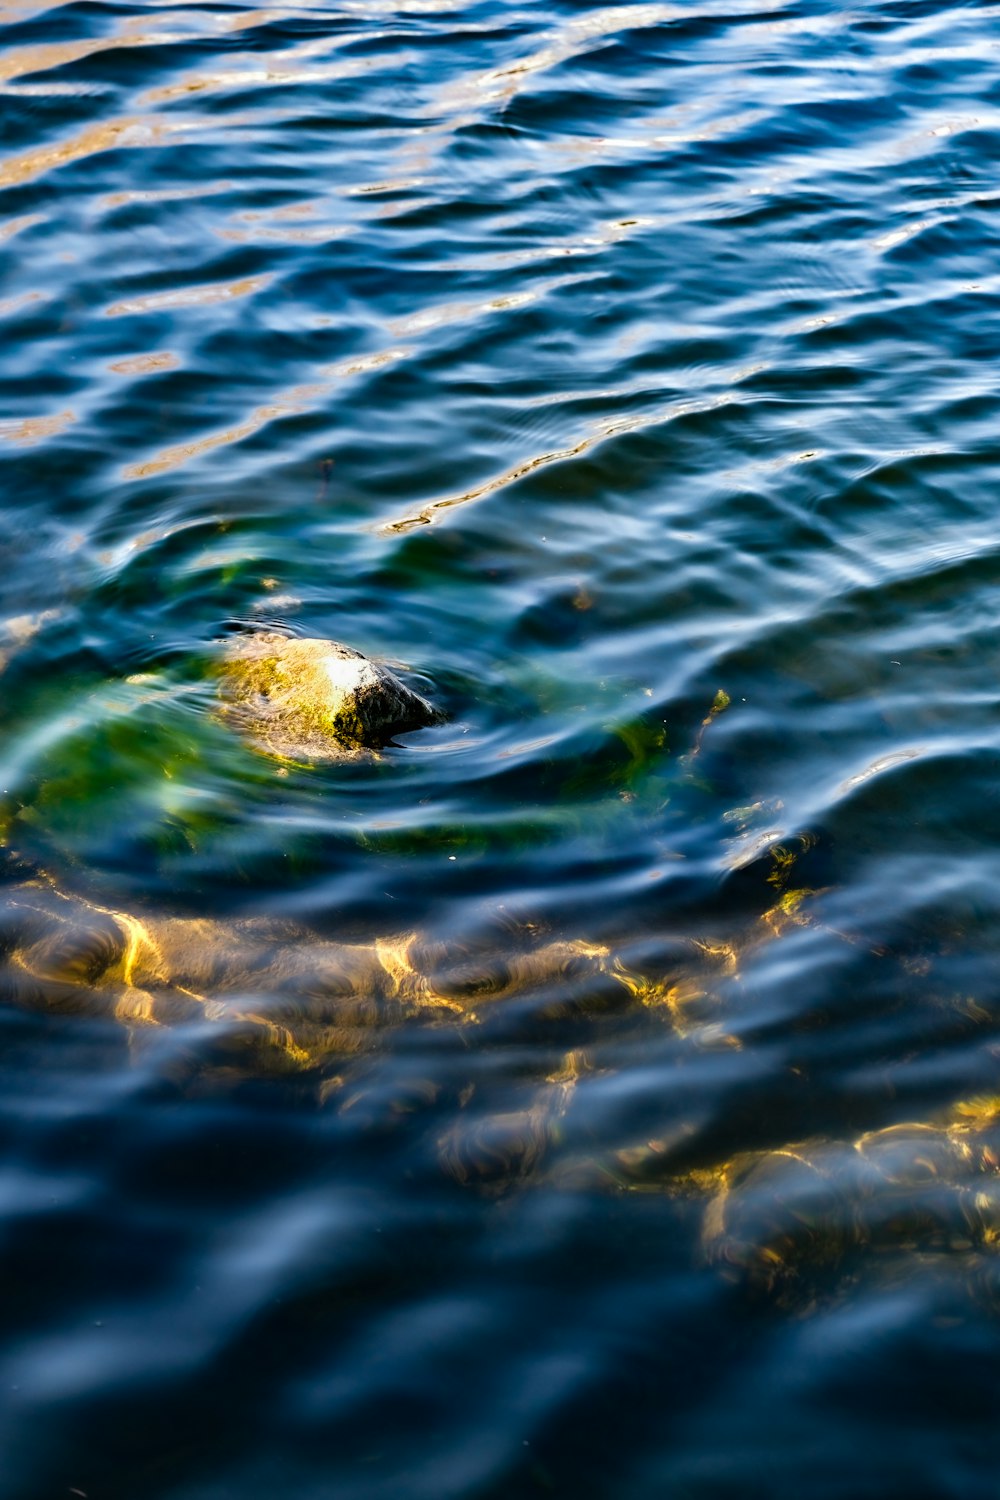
(282,998)
(315,699)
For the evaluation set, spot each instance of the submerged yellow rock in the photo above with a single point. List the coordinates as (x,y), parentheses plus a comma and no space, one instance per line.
(309,699)
(279,998)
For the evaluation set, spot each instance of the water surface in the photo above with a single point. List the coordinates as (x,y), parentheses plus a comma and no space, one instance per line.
(594,1094)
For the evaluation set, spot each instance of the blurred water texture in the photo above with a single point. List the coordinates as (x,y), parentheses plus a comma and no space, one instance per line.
(596,1093)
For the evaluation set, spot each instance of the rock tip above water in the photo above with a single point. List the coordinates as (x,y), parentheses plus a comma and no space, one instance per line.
(316,698)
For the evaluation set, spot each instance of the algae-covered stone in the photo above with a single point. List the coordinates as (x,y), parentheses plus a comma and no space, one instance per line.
(315,699)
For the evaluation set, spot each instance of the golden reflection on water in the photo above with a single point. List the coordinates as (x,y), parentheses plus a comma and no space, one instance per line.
(363,363)
(604,430)
(16,10)
(283,223)
(9,305)
(145,364)
(181,191)
(190,296)
(459,312)
(18,62)
(10,227)
(181,453)
(101,137)
(130,131)
(17,630)
(22,61)
(301,398)
(292,234)
(279,69)
(301,210)
(426,516)
(22,628)
(35,429)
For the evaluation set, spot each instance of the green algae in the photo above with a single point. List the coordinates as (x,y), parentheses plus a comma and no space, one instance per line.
(92,767)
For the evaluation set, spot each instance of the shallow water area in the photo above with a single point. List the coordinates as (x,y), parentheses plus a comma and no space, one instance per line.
(594,1092)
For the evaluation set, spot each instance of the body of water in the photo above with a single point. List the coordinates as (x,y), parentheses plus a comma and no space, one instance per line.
(594,1094)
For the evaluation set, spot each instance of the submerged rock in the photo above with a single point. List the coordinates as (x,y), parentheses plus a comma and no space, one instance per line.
(271,998)
(314,699)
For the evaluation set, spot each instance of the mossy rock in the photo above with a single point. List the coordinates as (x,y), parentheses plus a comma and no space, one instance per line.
(308,699)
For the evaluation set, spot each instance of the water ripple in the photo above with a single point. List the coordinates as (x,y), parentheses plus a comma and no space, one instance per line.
(593,1092)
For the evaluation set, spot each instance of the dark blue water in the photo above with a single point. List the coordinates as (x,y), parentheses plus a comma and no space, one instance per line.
(595,1094)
